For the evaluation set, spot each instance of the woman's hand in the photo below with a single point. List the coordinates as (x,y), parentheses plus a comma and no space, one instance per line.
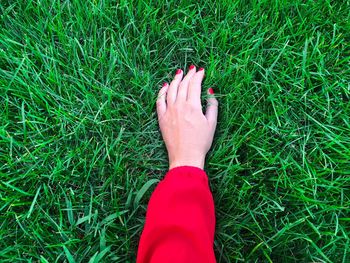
(187,132)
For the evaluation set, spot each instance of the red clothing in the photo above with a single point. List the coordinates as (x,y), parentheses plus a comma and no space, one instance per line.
(180,220)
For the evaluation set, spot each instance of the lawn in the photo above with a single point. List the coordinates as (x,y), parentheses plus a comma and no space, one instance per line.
(80,148)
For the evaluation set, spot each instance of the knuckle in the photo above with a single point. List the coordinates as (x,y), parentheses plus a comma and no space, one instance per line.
(159,103)
(178,107)
(172,107)
(195,106)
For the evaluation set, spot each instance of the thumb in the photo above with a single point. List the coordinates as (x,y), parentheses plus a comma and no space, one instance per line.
(212,108)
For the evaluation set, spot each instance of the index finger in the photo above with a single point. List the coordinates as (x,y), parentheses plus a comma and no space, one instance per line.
(195,87)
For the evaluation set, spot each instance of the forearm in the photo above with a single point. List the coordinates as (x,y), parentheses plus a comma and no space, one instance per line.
(180,219)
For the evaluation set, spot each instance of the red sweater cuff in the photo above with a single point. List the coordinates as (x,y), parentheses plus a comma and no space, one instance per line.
(187,172)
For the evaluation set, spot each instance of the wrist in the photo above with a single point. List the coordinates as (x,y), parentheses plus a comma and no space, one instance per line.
(195,162)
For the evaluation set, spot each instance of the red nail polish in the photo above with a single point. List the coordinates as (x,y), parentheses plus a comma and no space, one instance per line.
(201,69)
(211,91)
(164,84)
(191,67)
(178,71)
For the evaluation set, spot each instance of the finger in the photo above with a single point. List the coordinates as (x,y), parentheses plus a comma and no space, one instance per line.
(172,90)
(161,102)
(212,108)
(183,88)
(195,86)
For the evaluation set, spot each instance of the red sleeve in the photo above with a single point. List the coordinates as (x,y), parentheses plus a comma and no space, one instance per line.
(180,220)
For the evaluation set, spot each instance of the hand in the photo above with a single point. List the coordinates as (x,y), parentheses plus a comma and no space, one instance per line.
(187,132)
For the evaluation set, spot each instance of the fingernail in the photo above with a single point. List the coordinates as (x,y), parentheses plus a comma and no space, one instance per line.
(164,84)
(178,71)
(201,69)
(211,91)
(191,67)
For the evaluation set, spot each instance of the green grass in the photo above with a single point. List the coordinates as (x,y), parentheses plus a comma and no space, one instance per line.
(80,149)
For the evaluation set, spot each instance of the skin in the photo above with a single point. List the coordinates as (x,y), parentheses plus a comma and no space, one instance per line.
(187,132)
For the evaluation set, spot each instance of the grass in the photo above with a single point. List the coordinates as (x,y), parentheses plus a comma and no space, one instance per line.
(80,149)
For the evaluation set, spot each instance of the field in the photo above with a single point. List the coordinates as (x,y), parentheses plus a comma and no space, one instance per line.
(80,147)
